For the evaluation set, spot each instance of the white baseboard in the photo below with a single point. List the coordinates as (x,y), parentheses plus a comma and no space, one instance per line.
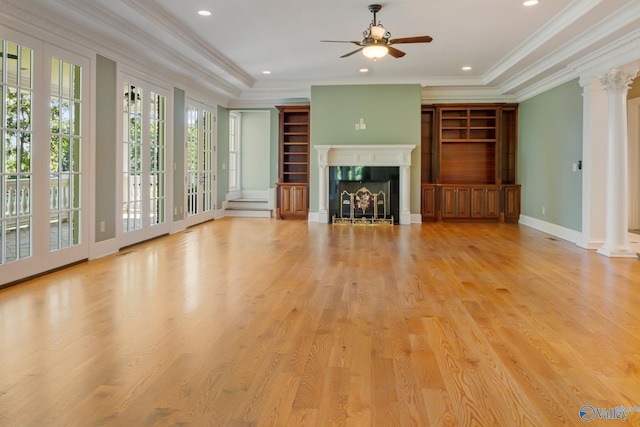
(416,219)
(177,227)
(564,233)
(104,248)
(313,217)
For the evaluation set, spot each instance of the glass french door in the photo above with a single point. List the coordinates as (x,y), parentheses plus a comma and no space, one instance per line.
(44,157)
(201,161)
(144,163)
(16,166)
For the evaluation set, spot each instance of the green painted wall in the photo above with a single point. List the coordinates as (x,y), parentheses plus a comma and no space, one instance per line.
(550,141)
(255,149)
(223,155)
(179,119)
(273,154)
(106,141)
(390,112)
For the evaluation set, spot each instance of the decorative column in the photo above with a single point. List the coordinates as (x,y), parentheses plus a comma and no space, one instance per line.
(323,182)
(405,195)
(323,211)
(594,163)
(616,243)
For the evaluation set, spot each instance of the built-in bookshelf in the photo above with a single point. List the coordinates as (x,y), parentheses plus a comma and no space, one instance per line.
(293,180)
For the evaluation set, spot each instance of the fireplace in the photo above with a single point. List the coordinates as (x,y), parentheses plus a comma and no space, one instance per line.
(382,184)
(395,164)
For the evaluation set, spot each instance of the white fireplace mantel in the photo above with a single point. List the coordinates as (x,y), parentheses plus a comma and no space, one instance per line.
(364,155)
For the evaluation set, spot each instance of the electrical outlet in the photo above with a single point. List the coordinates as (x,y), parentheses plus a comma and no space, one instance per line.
(544,210)
(103,226)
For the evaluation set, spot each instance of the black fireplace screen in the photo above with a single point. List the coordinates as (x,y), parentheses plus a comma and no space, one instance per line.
(376,179)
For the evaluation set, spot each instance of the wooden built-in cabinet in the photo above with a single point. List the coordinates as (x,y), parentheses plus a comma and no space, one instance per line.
(294,201)
(455,201)
(485,202)
(469,162)
(428,199)
(293,180)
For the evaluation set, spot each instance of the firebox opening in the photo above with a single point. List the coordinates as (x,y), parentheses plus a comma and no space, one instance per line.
(375,178)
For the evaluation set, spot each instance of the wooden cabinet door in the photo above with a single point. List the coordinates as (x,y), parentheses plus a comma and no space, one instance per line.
(492,202)
(478,202)
(428,202)
(294,201)
(286,200)
(449,202)
(485,202)
(300,201)
(464,202)
(456,202)
(511,203)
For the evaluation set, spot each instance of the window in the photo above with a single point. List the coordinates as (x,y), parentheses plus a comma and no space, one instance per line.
(234,152)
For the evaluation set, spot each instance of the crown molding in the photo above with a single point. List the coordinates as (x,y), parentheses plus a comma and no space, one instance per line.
(182,32)
(622,17)
(46,29)
(469,94)
(541,86)
(623,52)
(96,12)
(568,15)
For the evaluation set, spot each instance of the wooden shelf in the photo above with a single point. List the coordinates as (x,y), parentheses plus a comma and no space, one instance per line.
(293,179)
(468,152)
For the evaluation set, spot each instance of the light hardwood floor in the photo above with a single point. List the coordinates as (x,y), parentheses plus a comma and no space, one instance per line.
(252,322)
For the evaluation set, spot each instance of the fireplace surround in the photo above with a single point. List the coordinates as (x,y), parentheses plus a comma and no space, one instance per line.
(365,155)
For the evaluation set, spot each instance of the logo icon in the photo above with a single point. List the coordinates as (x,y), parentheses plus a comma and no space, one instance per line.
(587,413)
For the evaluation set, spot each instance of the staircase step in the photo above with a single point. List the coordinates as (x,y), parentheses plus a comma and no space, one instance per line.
(248,213)
(248,204)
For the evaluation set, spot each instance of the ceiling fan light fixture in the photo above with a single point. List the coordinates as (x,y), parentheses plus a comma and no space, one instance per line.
(377,32)
(375,50)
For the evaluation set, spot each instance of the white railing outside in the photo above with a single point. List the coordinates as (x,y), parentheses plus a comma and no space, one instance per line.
(17,197)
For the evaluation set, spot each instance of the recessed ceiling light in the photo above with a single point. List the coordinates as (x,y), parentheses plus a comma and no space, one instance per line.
(530,2)
(204,13)
(364,70)
(466,68)
(266,72)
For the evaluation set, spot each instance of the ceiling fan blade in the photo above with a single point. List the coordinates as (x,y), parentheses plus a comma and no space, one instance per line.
(351,53)
(419,39)
(395,52)
(342,41)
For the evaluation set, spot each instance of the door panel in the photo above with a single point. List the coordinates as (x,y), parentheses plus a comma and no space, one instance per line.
(201,164)
(144,162)
(44,158)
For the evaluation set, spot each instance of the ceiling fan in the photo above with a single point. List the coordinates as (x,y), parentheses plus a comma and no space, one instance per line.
(377,42)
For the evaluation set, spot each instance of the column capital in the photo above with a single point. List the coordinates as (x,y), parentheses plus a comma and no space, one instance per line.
(617,79)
